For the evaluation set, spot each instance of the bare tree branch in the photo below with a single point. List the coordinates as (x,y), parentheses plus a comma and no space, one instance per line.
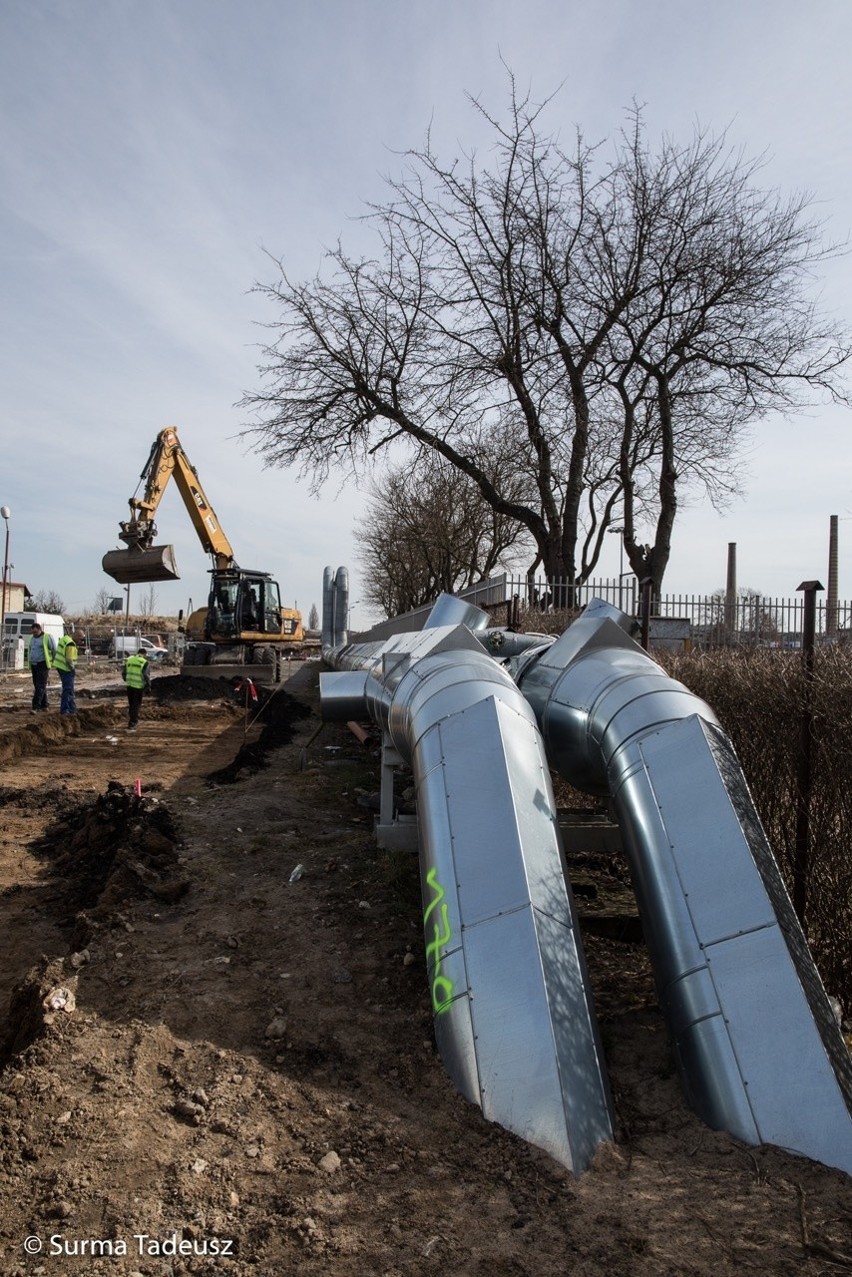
(616,321)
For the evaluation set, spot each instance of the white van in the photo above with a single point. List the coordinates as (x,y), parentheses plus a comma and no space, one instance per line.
(20,625)
(17,628)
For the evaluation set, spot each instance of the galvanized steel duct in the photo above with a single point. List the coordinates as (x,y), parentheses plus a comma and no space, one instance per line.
(448,610)
(746,1010)
(328,608)
(513,1015)
(759,1051)
(335,607)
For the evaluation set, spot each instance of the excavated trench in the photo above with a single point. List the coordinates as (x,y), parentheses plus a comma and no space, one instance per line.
(278,713)
(97,853)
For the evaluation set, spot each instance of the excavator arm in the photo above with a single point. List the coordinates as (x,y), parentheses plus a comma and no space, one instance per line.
(143,560)
(244,612)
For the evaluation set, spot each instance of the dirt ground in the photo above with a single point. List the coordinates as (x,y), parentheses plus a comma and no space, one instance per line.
(208,1068)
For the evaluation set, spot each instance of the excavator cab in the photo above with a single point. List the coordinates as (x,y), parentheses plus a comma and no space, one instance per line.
(243,603)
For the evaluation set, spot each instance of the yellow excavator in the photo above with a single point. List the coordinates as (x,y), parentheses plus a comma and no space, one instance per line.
(244,622)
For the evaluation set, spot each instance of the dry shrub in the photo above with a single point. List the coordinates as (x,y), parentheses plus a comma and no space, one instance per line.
(554,621)
(759,697)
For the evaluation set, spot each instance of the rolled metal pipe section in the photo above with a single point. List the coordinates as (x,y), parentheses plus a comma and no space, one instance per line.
(758,1049)
(513,1015)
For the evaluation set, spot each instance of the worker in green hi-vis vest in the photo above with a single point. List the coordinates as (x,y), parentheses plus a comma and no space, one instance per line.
(137,677)
(40,653)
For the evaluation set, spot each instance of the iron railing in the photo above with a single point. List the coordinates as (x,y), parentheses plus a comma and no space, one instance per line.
(708,621)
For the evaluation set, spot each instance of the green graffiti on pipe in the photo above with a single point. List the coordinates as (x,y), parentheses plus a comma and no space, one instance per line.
(442,986)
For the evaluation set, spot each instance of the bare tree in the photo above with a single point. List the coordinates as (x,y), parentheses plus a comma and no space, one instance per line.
(46,601)
(313,618)
(427,530)
(619,321)
(148,603)
(103,600)
(720,333)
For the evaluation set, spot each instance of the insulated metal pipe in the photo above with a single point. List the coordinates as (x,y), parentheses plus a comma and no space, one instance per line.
(328,608)
(449,610)
(747,1013)
(335,608)
(510,996)
(505,644)
(341,607)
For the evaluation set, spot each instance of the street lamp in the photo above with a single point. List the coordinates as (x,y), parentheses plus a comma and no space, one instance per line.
(6,513)
(618,530)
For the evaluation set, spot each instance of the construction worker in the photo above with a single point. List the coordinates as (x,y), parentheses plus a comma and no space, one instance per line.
(40,652)
(137,676)
(65,662)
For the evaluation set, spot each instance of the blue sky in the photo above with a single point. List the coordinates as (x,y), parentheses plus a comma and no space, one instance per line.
(152,152)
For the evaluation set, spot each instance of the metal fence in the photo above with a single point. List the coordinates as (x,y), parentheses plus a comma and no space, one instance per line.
(548,594)
(707,621)
(757,621)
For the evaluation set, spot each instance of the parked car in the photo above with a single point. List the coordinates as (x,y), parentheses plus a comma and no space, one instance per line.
(129,644)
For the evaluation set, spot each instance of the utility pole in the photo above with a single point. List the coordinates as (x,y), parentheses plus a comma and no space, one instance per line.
(6,514)
(731,593)
(831,593)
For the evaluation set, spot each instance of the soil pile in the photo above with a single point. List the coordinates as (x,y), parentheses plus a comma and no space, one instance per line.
(122,845)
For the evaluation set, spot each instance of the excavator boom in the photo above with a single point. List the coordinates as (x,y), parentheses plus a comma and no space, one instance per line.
(144,561)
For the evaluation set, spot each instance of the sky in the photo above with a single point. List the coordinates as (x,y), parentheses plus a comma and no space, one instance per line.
(156,155)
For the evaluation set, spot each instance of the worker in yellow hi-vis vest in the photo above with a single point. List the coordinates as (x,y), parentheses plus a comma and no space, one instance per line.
(137,677)
(65,662)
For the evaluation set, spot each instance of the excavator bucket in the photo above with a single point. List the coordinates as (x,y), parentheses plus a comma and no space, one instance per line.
(130,567)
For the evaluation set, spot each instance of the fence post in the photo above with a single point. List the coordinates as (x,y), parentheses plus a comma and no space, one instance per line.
(646,586)
(804,762)
(513,613)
